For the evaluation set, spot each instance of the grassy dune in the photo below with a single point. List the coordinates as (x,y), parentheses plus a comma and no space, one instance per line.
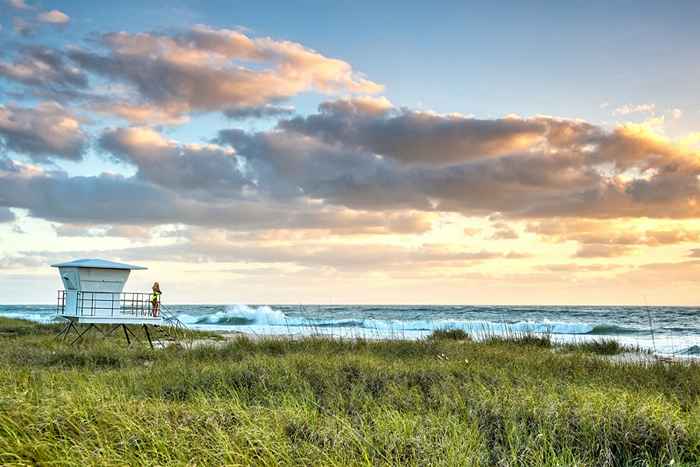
(443,401)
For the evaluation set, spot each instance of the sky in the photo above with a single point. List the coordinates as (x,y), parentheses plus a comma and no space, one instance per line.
(354,152)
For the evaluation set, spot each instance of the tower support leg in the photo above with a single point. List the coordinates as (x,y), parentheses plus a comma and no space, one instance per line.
(148,335)
(80,336)
(63,335)
(126,334)
(64,330)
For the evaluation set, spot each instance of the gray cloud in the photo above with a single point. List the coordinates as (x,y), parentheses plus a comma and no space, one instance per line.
(111,199)
(208,168)
(573,169)
(42,132)
(43,67)
(415,137)
(540,167)
(23,27)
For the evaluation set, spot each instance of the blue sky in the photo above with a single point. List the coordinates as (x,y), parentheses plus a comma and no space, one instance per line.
(452,135)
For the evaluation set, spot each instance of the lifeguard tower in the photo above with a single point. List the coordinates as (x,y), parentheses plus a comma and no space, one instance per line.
(94,295)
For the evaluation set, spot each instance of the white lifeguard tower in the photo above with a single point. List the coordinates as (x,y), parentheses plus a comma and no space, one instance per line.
(94,295)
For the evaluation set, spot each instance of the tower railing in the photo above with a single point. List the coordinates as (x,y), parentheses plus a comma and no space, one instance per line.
(108,304)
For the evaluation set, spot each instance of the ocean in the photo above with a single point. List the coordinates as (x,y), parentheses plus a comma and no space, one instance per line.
(673,330)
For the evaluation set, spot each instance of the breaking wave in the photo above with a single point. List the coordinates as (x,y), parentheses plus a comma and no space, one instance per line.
(238,315)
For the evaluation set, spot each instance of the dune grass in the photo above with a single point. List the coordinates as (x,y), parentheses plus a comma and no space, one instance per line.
(338,402)
(603,346)
(454,334)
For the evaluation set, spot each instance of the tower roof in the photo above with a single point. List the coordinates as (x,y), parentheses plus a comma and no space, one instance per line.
(96,263)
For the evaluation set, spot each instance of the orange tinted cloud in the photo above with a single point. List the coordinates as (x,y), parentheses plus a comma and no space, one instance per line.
(205,69)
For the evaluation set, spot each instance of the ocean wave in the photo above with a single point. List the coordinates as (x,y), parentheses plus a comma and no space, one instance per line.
(692,350)
(347,323)
(688,329)
(613,329)
(43,318)
(244,315)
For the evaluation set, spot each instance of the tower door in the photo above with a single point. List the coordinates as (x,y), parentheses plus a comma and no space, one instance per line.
(70,280)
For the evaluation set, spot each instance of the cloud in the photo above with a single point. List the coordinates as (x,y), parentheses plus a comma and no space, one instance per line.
(53,17)
(141,114)
(42,132)
(19,4)
(43,67)
(129,231)
(665,273)
(217,246)
(206,167)
(503,231)
(416,137)
(20,261)
(573,267)
(289,165)
(349,154)
(73,230)
(118,200)
(602,251)
(587,231)
(205,69)
(23,27)
(628,109)
(311,172)
(90,230)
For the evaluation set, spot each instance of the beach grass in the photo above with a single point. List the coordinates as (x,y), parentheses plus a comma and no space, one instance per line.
(454,334)
(323,401)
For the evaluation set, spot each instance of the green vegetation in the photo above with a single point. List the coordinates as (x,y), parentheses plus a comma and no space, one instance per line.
(337,402)
(600,347)
(454,334)
(524,338)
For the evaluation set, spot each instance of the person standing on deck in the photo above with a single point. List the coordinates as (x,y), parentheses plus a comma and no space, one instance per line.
(155,299)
